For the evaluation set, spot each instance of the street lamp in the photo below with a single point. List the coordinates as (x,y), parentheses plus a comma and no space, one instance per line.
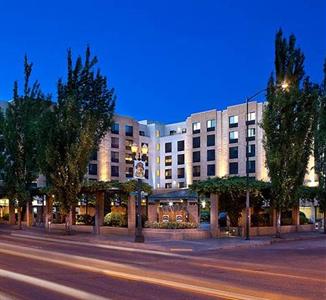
(139,155)
(284,86)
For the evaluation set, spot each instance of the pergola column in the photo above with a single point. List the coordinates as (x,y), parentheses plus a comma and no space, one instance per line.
(12,217)
(131,214)
(296,217)
(99,216)
(29,214)
(214,199)
(152,212)
(48,212)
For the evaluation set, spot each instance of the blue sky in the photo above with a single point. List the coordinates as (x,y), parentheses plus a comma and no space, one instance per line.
(166,59)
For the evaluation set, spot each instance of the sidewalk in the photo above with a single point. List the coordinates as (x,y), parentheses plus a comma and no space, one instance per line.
(177,246)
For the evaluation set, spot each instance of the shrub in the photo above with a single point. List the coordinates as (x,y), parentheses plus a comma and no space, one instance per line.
(5,217)
(171,225)
(85,220)
(116,219)
(204,216)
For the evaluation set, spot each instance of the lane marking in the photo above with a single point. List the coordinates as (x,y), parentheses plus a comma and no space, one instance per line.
(207,287)
(48,285)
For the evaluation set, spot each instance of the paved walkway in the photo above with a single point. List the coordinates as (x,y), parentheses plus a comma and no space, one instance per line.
(181,246)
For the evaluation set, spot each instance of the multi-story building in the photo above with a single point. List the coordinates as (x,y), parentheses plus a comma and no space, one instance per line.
(207,144)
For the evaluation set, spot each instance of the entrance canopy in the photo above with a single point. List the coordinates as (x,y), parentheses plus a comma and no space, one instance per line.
(177,195)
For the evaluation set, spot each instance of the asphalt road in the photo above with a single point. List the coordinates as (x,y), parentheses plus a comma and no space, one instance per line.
(54,269)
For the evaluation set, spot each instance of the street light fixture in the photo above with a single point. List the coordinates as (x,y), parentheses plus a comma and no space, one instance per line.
(284,85)
(139,156)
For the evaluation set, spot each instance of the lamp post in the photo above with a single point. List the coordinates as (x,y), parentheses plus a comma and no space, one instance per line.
(139,174)
(284,86)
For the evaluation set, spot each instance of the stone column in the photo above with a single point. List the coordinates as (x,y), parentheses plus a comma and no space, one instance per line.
(296,217)
(131,214)
(152,212)
(214,199)
(48,212)
(29,214)
(99,216)
(12,217)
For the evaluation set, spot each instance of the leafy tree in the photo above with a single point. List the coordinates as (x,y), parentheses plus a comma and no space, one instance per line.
(288,124)
(320,146)
(74,129)
(20,131)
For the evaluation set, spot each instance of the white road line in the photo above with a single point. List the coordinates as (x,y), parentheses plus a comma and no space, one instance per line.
(48,285)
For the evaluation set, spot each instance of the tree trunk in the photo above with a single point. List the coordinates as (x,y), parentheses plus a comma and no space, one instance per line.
(19,211)
(278,223)
(68,223)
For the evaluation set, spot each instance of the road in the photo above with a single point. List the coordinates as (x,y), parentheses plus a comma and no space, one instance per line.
(47,268)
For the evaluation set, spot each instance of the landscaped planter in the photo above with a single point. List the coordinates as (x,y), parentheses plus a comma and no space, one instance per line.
(176,234)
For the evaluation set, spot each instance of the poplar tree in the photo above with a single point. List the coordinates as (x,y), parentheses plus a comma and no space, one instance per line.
(74,129)
(288,124)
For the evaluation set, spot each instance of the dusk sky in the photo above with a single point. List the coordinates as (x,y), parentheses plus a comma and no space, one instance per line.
(165,59)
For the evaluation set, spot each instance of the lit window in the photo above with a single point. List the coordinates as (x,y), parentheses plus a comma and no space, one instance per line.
(211,124)
(158,159)
(233,120)
(252,116)
(196,127)
(157,133)
(158,146)
(251,132)
(158,173)
(233,135)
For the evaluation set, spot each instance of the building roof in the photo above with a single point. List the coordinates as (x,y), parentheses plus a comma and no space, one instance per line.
(183,194)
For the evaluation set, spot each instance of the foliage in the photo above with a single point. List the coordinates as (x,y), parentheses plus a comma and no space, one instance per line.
(85,220)
(287,122)
(75,127)
(5,217)
(131,186)
(116,219)
(171,225)
(20,145)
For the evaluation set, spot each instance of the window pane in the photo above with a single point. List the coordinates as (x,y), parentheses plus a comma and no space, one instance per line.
(115,128)
(233,168)
(196,142)
(181,159)
(168,160)
(168,147)
(233,152)
(115,171)
(92,169)
(233,120)
(210,170)
(210,155)
(211,140)
(181,145)
(129,130)
(196,156)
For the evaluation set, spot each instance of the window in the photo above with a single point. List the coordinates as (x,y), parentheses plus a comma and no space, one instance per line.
(251,132)
(233,168)
(251,150)
(128,144)
(233,137)
(158,173)
(233,121)
(181,145)
(129,130)
(211,140)
(168,185)
(181,173)
(94,155)
(168,160)
(128,158)
(196,142)
(211,124)
(168,173)
(114,142)
(181,185)
(184,130)
(92,169)
(210,170)
(115,128)
(158,160)
(168,147)
(233,152)
(157,133)
(251,166)
(251,118)
(142,133)
(158,147)
(115,171)
(114,156)
(181,159)
(173,132)
(196,171)
(196,127)
(129,172)
(210,155)
(196,156)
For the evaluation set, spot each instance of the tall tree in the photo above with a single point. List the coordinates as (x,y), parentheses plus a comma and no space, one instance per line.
(320,146)
(287,122)
(74,129)
(19,127)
